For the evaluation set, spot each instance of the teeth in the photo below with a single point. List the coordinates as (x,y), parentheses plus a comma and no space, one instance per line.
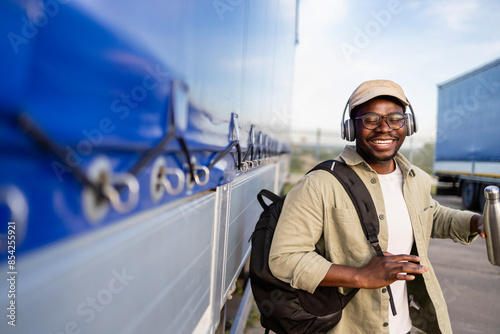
(382,141)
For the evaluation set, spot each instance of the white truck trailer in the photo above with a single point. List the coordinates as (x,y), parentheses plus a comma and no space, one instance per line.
(134,138)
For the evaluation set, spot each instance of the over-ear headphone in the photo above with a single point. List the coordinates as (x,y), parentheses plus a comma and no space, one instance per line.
(348,131)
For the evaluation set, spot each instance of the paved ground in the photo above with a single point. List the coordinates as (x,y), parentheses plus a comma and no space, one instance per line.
(470,284)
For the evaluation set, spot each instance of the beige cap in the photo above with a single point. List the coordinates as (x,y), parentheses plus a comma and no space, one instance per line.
(371,89)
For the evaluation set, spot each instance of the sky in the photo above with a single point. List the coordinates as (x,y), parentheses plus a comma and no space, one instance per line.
(418,44)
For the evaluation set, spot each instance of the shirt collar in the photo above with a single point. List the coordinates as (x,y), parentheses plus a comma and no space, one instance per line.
(352,158)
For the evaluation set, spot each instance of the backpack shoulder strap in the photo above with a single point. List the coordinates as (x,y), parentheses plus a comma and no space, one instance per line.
(269,195)
(363,202)
(360,197)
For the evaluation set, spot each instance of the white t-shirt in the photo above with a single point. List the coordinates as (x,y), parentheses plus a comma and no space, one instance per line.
(400,242)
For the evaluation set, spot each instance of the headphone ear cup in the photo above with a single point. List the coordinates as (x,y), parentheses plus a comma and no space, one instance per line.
(349,132)
(410,125)
(415,123)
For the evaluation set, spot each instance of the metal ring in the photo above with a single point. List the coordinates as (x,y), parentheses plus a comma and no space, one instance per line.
(256,162)
(244,167)
(93,206)
(250,165)
(112,194)
(207,175)
(189,180)
(17,204)
(160,182)
(180,180)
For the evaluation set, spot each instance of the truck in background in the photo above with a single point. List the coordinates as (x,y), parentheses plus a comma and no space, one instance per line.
(467,151)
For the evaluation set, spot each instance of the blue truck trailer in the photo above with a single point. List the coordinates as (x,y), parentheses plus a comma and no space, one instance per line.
(134,137)
(467,151)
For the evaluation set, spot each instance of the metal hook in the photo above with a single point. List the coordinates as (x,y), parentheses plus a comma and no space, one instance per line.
(96,205)
(16,202)
(160,182)
(197,177)
(251,165)
(197,180)
(168,185)
(244,167)
(123,179)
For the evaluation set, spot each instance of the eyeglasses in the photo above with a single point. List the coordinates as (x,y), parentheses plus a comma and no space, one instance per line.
(371,121)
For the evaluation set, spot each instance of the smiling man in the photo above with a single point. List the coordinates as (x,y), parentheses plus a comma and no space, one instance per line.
(380,147)
(318,214)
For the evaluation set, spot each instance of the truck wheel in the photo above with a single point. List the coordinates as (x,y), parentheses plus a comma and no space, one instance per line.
(469,196)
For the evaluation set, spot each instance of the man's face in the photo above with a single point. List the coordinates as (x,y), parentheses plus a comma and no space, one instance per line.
(380,145)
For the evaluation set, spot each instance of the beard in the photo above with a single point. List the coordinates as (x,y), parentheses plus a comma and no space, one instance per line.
(369,157)
(372,157)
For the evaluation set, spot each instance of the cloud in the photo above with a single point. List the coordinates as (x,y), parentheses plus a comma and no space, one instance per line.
(324,13)
(430,42)
(454,15)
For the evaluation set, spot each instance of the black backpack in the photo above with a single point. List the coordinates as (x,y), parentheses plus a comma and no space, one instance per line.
(286,310)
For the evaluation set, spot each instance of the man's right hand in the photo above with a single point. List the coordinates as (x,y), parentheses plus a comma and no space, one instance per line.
(379,272)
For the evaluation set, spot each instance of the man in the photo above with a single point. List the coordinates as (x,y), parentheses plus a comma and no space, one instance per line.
(319,213)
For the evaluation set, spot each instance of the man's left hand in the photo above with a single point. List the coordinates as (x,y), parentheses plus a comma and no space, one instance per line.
(477,225)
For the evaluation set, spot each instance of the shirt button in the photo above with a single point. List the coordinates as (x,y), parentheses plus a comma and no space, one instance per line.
(381,217)
(386,324)
(384,290)
(373,181)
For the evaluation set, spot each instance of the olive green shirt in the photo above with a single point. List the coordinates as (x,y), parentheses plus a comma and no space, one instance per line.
(318,212)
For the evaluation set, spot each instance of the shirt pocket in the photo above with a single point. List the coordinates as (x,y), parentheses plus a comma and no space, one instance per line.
(344,216)
(347,241)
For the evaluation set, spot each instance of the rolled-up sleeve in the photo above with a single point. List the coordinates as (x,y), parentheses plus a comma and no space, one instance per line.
(293,258)
(454,224)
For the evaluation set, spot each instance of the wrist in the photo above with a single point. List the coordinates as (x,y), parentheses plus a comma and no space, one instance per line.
(358,278)
(474,222)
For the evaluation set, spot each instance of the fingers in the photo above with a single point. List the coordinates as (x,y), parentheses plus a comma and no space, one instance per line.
(477,225)
(411,268)
(404,271)
(480,227)
(387,269)
(403,266)
(402,257)
(404,277)
(482,233)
